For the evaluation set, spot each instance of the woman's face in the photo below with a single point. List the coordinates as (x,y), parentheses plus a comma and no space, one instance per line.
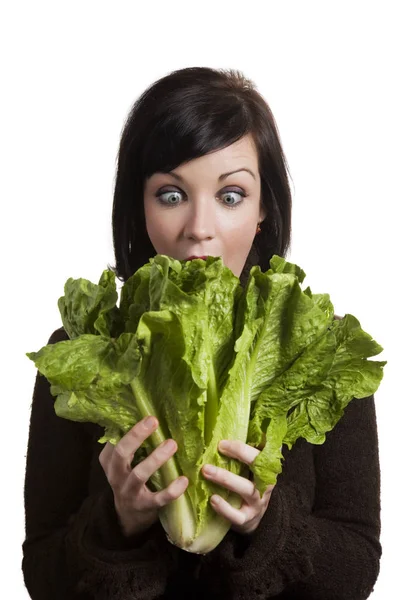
(203,215)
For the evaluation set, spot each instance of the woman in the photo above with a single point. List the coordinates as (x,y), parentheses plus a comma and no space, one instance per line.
(200,172)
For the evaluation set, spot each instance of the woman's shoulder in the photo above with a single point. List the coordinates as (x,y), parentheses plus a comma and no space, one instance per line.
(59,335)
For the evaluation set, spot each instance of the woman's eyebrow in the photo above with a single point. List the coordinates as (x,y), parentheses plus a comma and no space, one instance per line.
(221,177)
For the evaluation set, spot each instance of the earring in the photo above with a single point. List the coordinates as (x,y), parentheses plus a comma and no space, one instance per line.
(258,230)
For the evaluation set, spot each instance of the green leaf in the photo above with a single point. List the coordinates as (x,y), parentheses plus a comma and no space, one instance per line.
(87,308)
(90,375)
(280,265)
(268,464)
(287,322)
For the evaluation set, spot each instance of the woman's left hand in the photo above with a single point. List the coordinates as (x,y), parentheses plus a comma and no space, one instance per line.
(246,519)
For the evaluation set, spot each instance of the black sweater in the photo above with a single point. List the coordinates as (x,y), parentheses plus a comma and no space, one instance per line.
(318,540)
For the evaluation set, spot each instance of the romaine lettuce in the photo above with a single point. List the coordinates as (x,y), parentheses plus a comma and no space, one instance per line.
(265,364)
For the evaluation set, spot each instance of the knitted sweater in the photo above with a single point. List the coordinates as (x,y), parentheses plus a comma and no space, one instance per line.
(318,540)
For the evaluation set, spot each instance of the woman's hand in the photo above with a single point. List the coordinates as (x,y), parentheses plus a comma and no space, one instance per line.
(246,519)
(137,507)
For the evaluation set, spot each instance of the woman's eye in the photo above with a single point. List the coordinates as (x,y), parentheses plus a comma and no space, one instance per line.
(166,197)
(229,197)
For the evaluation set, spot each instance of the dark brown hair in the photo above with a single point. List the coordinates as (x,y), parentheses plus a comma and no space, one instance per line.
(184,115)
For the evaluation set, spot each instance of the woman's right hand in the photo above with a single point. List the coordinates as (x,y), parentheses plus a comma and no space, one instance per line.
(137,507)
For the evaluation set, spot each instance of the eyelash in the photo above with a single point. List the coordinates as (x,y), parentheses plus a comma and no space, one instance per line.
(239,192)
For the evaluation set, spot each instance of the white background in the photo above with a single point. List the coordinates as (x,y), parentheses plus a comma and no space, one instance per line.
(332,74)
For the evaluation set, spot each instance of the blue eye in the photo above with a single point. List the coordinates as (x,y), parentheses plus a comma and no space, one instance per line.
(170,193)
(234,203)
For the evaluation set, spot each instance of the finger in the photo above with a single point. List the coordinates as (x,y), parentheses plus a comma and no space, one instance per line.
(236,449)
(156,459)
(105,455)
(240,485)
(268,492)
(171,492)
(223,508)
(119,466)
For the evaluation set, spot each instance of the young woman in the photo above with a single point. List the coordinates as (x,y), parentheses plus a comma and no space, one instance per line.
(201,171)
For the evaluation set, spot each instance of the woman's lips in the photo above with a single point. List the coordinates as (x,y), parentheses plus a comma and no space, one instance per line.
(192,257)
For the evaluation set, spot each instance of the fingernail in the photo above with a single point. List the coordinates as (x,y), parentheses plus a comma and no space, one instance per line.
(150,422)
(224,445)
(169,445)
(209,469)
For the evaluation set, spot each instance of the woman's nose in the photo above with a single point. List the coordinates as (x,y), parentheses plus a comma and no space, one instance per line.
(200,220)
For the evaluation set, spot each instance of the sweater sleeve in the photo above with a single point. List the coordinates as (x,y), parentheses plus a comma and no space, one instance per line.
(320,548)
(74,547)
